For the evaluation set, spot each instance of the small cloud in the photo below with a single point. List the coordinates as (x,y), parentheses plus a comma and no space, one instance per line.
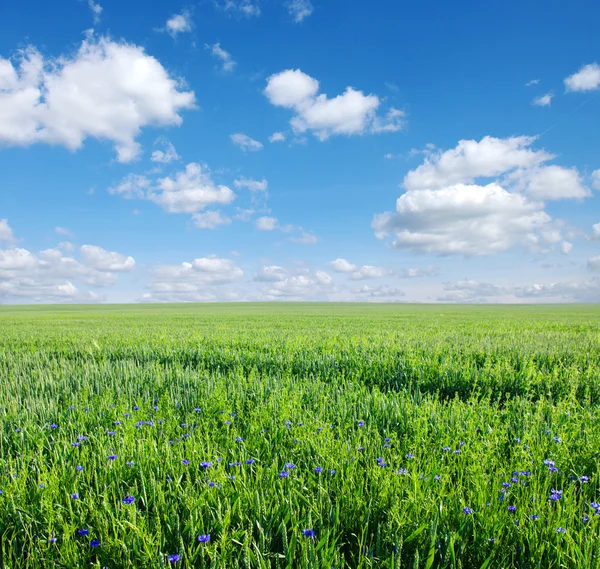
(544,100)
(96,11)
(6,232)
(179,23)
(299,9)
(245,142)
(392,86)
(246,8)
(586,79)
(305,239)
(532,83)
(566,247)
(227,62)
(277,137)
(169,154)
(63,231)
(252,185)
(210,220)
(266,223)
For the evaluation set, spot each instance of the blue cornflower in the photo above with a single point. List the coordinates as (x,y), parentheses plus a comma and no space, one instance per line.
(549,462)
(52,540)
(110,433)
(174,557)
(467,511)
(461,444)
(128,500)
(41,485)
(534,517)
(409,455)
(284,474)
(54,426)
(237,463)
(197,409)
(585,518)
(557,440)
(456,452)
(361,423)
(239,440)
(387,439)
(185,462)
(149,423)
(491,540)
(131,463)
(318,469)
(506,484)
(437,477)
(561,530)
(75,444)
(82,438)
(83,531)
(514,480)
(555,495)
(75,496)
(381,463)
(117,423)
(136,408)
(250,461)
(126,414)
(403,471)
(309,532)
(584,479)
(512,508)
(360,449)
(112,457)
(205,464)
(228,422)
(290,465)
(204,538)
(332,471)
(95,543)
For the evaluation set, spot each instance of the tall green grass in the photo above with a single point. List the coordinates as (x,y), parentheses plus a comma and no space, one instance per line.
(378,397)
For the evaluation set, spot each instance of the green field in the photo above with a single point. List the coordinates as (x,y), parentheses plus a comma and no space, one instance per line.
(400,435)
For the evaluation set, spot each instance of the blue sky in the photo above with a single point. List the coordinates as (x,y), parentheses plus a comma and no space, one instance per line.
(299,150)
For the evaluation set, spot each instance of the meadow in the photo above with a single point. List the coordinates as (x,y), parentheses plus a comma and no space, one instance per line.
(300,435)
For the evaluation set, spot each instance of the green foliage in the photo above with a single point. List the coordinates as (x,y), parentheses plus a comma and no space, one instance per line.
(507,387)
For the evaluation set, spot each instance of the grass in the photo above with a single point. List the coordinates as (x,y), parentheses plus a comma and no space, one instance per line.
(411,416)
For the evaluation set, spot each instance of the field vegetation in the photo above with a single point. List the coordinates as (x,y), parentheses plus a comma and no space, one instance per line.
(300,435)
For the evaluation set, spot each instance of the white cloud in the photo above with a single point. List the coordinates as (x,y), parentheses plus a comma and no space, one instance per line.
(270,273)
(532,83)
(323,278)
(266,223)
(299,9)
(471,291)
(210,220)
(445,211)
(227,62)
(370,272)
(463,219)
(102,260)
(179,23)
(277,137)
(543,100)
(586,79)
(190,191)
(6,232)
(247,8)
(49,275)
(595,229)
(342,266)
(566,247)
(193,282)
(593,263)
(573,291)
(382,293)
(351,113)
(305,238)
(551,183)
(63,231)
(245,142)
(252,185)
(596,179)
(165,156)
(96,11)
(414,273)
(470,159)
(106,90)
(132,186)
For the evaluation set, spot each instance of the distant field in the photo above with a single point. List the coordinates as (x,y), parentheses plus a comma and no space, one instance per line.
(300,435)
